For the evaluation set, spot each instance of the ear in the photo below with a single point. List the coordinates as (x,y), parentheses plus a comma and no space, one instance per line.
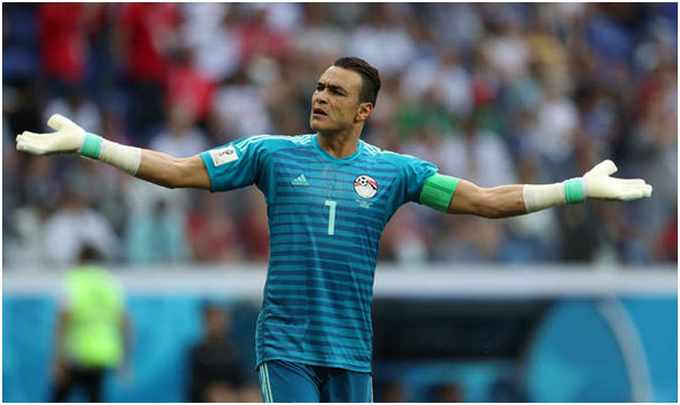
(364,111)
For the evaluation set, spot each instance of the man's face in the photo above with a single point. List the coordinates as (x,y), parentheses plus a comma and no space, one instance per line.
(335,102)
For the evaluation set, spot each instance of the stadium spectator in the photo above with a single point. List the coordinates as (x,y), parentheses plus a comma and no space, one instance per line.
(157,237)
(240,108)
(217,373)
(75,102)
(180,136)
(253,227)
(73,226)
(20,45)
(146,37)
(63,36)
(384,24)
(188,88)
(504,47)
(405,239)
(315,37)
(153,208)
(258,37)
(208,30)
(667,248)
(212,233)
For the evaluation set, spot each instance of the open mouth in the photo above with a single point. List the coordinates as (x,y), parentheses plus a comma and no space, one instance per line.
(318,111)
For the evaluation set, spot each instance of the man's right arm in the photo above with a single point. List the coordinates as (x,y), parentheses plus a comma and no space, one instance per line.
(152,166)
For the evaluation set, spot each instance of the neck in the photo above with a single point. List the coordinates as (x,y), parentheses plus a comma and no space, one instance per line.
(340,144)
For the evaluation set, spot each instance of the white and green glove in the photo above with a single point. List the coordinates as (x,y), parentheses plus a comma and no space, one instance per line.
(71,138)
(597,183)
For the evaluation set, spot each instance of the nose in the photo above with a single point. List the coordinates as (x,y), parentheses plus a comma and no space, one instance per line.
(320,97)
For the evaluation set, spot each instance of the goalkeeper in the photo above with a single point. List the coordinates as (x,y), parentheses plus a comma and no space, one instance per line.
(329,197)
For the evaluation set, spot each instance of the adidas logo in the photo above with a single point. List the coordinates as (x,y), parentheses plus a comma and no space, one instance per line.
(300,180)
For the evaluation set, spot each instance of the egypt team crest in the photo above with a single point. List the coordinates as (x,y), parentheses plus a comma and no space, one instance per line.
(365,186)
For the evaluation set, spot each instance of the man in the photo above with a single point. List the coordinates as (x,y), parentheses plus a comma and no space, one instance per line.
(216,372)
(92,335)
(329,197)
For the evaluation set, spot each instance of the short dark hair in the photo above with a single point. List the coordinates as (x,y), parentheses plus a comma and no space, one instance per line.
(89,253)
(370,78)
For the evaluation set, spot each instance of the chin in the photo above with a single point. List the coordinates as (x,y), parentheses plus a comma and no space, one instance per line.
(317,126)
(323,126)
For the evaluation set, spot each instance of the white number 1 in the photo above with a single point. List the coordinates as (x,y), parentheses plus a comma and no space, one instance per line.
(331,216)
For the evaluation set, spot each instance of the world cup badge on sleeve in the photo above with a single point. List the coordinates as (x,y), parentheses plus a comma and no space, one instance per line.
(365,186)
(223,155)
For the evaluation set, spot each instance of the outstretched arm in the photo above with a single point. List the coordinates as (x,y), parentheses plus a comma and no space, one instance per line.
(463,197)
(149,165)
(496,202)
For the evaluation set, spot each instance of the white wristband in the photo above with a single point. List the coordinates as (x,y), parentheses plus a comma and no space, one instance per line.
(127,158)
(538,197)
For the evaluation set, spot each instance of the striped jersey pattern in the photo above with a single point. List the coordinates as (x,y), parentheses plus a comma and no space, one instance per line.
(325,216)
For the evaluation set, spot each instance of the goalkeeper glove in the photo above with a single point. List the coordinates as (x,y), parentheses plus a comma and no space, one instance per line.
(597,183)
(71,138)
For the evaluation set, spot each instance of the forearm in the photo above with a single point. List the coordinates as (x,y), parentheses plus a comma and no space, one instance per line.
(503,201)
(507,200)
(539,197)
(152,166)
(519,199)
(158,168)
(511,200)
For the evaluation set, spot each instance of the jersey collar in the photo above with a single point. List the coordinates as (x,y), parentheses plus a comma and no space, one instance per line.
(327,156)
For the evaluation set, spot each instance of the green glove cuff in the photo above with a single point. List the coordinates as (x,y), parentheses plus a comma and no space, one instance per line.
(438,191)
(574,191)
(92,146)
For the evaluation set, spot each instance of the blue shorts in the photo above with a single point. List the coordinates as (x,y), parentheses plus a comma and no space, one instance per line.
(285,381)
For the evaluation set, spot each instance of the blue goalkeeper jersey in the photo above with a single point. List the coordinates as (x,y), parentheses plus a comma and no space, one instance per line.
(325,216)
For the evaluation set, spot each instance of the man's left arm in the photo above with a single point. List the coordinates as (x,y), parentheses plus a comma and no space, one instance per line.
(458,196)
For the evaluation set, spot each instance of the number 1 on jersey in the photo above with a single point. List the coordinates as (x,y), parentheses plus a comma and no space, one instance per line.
(331,216)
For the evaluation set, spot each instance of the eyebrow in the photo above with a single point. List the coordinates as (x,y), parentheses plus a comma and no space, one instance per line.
(332,87)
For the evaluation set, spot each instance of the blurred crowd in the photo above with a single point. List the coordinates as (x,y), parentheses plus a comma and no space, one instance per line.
(493,93)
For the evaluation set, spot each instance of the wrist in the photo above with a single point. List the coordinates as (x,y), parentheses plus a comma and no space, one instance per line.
(539,197)
(91,146)
(127,158)
(574,190)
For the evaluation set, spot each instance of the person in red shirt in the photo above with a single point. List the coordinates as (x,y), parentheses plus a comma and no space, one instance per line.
(147,34)
(63,45)
(258,38)
(188,87)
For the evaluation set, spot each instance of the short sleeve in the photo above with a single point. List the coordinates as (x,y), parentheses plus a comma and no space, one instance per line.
(416,172)
(236,164)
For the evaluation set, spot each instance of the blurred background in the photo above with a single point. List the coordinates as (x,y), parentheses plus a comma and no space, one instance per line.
(493,93)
